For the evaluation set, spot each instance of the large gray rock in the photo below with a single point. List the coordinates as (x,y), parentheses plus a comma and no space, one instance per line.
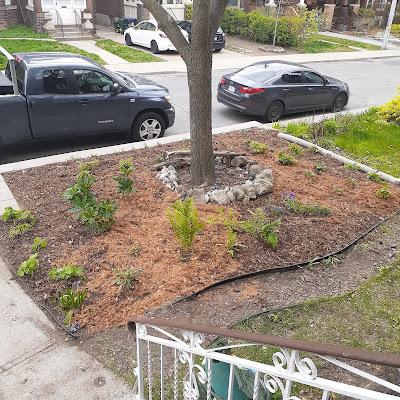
(220,197)
(238,192)
(262,186)
(230,195)
(199,196)
(266,174)
(256,169)
(249,189)
(181,190)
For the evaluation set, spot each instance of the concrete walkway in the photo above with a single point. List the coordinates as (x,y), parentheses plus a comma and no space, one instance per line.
(35,361)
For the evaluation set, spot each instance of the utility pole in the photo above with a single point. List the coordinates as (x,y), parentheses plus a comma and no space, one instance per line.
(389,24)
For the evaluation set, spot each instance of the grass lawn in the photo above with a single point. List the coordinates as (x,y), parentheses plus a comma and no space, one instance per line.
(20,31)
(127,53)
(25,45)
(348,42)
(364,137)
(318,46)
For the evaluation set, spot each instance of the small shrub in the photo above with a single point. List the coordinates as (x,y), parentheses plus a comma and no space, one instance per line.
(330,127)
(320,167)
(20,229)
(310,174)
(296,149)
(127,279)
(64,273)
(125,184)
(188,12)
(374,177)
(86,167)
(383,192)
(295,206)
(259,226)
(391,111)
(29,266)
(395,30)
(258,148)
(185,223)
(38,243)
(136,249)
(231,243)
(25,217)
(286,159)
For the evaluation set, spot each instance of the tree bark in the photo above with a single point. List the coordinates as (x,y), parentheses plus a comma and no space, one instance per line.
(207,15)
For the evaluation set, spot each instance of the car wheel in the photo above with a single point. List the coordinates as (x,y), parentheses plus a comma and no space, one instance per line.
(339,102)
(149,125)
(274,111)
(128,40)
(217,50)
(154,47)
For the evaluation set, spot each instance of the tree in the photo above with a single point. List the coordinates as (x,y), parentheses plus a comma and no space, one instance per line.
(197,55)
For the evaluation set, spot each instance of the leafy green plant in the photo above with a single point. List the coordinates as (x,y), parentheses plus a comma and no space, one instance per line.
(383,192)
(64,273)
(25,217)
(185,223)
(352,182)
(309,174)
(258,147)
(98,216)
(125,184)
(313,149)
(29,266)
(296,149)
(228,220)
(38,243)
(86,167)
(320,167)
(10,214)
(337,189)
(20,229)
(136,249)
(259,226)
(304,25)
(127,279)
(354,167)
(374,177)
(295,206)
(70,301)
(286,159)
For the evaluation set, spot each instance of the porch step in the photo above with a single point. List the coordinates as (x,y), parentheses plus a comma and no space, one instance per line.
(71,32)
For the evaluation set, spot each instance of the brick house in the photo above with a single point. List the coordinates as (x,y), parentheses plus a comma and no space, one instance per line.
(43,15)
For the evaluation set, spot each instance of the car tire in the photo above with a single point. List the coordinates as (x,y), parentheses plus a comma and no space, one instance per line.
(148,125)
(274,111)
(217,50)
(339,102)
(128,40)
(154,47)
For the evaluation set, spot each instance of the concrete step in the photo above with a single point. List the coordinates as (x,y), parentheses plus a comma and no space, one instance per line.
(67,38)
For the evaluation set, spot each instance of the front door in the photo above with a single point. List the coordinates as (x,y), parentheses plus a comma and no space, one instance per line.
(66,11)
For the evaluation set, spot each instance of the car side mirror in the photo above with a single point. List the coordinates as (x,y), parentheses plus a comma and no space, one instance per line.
(117,88)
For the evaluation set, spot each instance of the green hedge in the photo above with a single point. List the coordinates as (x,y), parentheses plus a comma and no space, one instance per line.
(395,29)
(258,26)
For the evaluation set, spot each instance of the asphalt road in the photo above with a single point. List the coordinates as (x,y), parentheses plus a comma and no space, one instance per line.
(372,83)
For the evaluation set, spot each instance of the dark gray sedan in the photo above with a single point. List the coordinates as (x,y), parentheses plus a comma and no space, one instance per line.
(270,89)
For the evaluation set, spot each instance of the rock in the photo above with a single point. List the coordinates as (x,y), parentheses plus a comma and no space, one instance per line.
(181,190)
(266,174)
(239,161)
(218,160)
(230,195)
(262,186)
(238,192)
(249,190)
(256,169)
(199,196)
(246,200)
(171,168)
(207,198)
(220,197)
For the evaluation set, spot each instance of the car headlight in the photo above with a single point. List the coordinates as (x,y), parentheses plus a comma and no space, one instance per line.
(168,98)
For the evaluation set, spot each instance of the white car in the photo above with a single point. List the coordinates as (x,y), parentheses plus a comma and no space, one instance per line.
(147,34)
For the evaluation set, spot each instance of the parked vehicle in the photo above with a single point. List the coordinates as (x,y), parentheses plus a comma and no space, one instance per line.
(147,34)
(219,39)
(270,89)
(53,95)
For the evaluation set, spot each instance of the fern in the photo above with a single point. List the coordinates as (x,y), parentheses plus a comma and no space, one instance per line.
(185,223)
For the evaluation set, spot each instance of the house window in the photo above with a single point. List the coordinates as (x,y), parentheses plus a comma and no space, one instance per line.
(381,5)
(369,3)
(7,2)
(30,3)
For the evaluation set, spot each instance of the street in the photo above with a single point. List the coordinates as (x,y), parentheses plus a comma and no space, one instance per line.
(372,83)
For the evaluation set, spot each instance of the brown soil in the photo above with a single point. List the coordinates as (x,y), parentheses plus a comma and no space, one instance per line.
(141,220)
(249,47)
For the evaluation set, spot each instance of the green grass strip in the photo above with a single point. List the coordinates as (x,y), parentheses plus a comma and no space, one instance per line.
(318,46)
(19,31)
(127,53)
(348,42)
(25,45)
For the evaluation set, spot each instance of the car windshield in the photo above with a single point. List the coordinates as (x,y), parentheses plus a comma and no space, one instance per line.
(128,81)
(256,73)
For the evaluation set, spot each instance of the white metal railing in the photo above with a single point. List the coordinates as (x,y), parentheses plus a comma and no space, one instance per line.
(169,367)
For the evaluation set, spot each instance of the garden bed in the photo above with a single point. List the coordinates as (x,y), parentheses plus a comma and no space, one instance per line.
(141,223)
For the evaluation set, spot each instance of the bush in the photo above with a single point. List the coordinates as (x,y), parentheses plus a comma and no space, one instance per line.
(246,21)
(391,111)
(231,20)
(395,30)
(188,12)
(304,25)
(263,30)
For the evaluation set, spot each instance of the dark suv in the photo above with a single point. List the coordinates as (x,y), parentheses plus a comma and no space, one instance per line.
(219,39)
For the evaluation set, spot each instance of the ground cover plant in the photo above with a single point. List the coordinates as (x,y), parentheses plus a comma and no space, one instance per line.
(127,53)
(142,236)
(20,31)
(26,45)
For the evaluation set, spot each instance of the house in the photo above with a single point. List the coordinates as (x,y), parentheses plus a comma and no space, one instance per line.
(47,15)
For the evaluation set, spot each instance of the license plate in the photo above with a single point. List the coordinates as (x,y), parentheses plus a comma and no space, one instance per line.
(231,89)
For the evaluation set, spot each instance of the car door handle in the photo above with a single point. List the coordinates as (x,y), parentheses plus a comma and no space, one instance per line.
(310,89)
(286,90)
(84,101)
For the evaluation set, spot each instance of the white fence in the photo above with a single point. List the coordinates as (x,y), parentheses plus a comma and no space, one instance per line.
(170,367)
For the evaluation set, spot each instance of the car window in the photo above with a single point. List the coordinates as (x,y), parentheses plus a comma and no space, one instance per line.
(142,26)
(257,73)
(55,82)
(151,27)
(19,72)
(90,81)
(312,77)
(293,77)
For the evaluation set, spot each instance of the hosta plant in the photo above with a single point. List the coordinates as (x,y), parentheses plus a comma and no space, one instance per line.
(64,273)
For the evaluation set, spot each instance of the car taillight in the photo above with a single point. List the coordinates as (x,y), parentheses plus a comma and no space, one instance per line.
(223,81)
(162,34)
(223,35)
(250,90)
